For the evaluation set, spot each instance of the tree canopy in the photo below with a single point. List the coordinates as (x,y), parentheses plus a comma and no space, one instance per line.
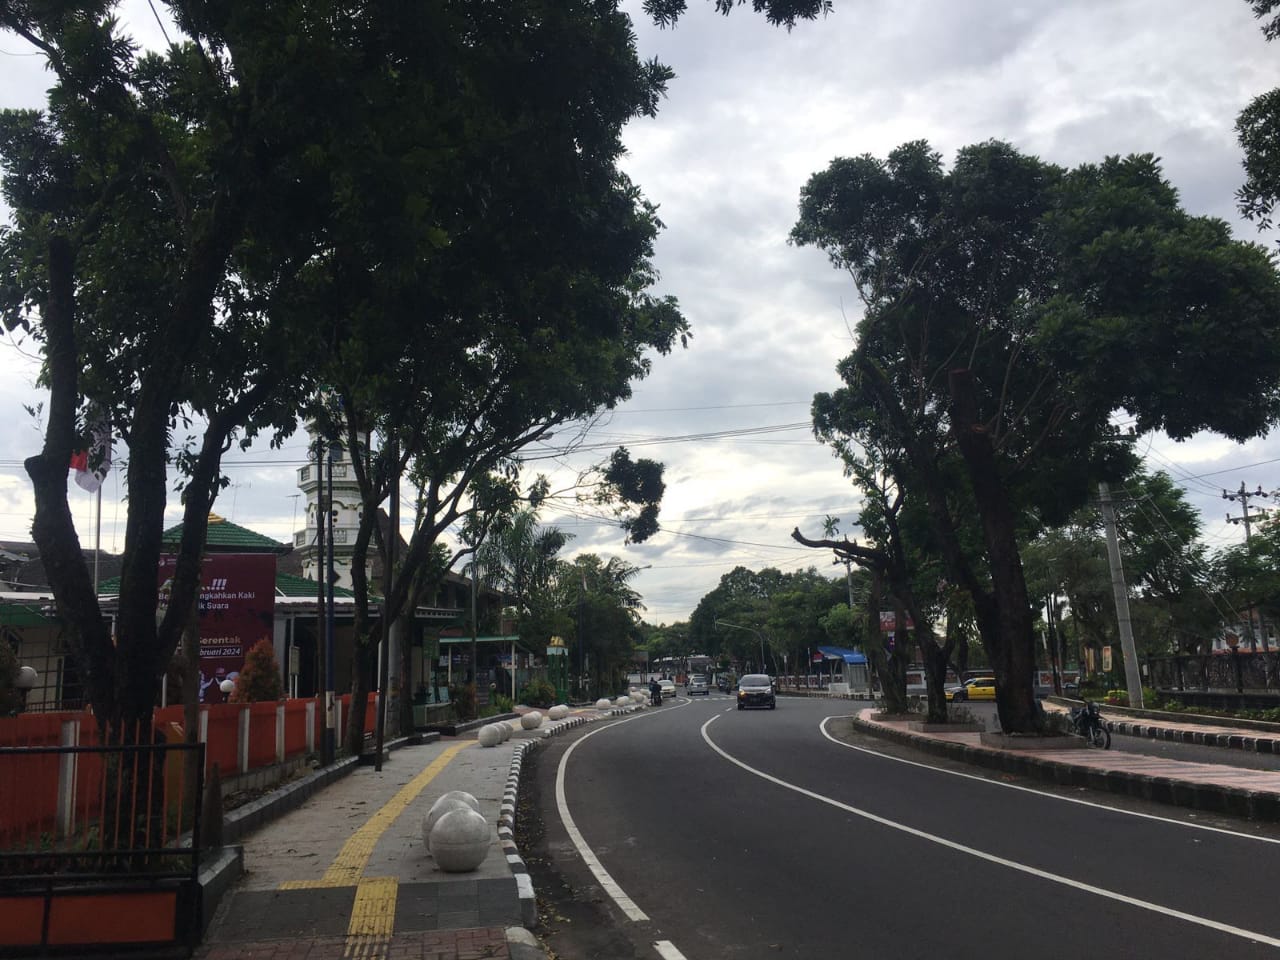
(1012,308)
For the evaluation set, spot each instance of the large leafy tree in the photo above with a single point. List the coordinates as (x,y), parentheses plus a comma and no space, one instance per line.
(1011,308)
(182,220)
(162,204)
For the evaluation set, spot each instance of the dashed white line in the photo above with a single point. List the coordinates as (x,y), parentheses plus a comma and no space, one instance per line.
(667,950)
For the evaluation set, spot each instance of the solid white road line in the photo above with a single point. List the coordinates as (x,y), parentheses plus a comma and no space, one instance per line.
(607,883)
(990,858)
(1039,793)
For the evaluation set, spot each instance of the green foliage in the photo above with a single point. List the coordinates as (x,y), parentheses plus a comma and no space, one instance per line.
(1069,294)
(786,13)
(462,697)
(501,703)
(259,679)
(539,693)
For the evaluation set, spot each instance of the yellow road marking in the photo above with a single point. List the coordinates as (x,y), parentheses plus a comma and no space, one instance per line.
(373,917)
(348,867)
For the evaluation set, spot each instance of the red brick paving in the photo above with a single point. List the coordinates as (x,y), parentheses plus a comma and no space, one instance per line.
(484,943)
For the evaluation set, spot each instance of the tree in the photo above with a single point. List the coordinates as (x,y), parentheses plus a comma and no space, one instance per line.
(259,679)
(1011,308)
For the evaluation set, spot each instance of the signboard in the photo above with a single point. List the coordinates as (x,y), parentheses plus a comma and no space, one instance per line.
(236,609)
(889,621)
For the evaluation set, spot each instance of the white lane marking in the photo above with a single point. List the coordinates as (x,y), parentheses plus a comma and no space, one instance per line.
(667,950)
(607,883)
(991,858)
(1040,793)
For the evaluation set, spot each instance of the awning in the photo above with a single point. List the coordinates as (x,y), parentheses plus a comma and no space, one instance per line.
(841,653)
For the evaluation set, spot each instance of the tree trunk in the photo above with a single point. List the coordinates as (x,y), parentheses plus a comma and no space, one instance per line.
(1012,645)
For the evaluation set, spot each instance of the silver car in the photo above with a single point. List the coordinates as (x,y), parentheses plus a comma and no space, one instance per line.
(697,686)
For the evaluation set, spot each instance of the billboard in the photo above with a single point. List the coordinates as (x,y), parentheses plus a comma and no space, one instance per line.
(236,609)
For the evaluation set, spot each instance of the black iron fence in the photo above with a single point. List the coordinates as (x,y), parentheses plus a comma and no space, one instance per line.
(99,847)
(1239,671)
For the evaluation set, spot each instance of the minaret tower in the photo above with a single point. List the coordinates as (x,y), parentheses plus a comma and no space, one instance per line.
(346,504)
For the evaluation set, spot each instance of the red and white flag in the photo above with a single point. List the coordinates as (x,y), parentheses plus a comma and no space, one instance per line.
(93,465)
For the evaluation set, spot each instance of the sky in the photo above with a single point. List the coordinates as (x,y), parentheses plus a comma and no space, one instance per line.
(753,112)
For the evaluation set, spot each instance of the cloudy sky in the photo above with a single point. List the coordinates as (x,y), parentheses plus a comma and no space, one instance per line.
(753,112)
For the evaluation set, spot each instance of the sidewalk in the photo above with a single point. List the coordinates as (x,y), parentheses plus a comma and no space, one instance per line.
(1214,787)
(346,874)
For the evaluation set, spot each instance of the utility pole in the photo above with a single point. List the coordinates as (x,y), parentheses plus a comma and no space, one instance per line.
(1133,680)
(1242,497)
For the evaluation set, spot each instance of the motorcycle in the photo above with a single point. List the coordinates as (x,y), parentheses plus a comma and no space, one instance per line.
(1087,722)
(655,697)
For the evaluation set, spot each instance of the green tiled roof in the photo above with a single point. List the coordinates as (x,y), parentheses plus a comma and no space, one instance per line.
(223,536)
(287,585)
(22,615)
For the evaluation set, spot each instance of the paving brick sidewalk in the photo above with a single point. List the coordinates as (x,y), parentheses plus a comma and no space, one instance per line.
(467,944)
(347,874)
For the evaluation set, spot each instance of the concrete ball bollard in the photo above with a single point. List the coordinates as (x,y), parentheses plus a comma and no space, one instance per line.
(558,712)
(604,703)
(489,735)
(505,727)
(531,720)
(622,702)
(453,800)
(460,840)
(637,696)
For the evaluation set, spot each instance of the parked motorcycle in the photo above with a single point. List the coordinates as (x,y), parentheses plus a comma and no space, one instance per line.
(1087,722)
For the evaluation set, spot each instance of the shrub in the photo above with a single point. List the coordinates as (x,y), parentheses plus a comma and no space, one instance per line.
(539,693)
(463,698)
(259,679)
(500,703)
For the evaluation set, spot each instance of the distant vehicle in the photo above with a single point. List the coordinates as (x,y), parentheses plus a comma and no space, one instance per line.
(756,690)
(696,686)
(975,688)
(726,683)
(668,688)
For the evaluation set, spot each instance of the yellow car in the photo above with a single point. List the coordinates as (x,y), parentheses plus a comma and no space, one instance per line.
(975,688)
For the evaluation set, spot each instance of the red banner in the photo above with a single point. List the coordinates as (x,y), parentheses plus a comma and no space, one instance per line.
(237,609)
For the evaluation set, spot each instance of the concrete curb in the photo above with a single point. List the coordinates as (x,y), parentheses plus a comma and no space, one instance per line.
(1208,738)
(507,814)
(1214,798)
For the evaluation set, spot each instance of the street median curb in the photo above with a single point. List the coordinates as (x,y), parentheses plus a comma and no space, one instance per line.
(1214,798)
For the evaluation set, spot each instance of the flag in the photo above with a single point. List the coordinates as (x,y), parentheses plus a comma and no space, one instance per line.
(92,465)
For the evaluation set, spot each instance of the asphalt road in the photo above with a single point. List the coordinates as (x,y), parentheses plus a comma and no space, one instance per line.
(699,831)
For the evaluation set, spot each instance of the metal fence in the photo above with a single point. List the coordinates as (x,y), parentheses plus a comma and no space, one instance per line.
(99,846)
(1235,671)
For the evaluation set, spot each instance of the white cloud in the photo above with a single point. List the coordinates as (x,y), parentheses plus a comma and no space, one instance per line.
(754,112)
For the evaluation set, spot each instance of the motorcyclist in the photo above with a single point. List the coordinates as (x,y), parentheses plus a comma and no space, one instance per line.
(655,691)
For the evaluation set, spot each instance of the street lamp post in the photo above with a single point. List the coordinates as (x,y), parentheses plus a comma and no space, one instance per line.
(24,683)
(759,635)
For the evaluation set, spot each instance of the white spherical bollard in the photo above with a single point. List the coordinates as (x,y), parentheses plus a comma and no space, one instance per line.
(622,702)
(558,712)
(489,735)
(460,840)
(453,800)
(505,728)
(531,720)
(637,696)
(604,703)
